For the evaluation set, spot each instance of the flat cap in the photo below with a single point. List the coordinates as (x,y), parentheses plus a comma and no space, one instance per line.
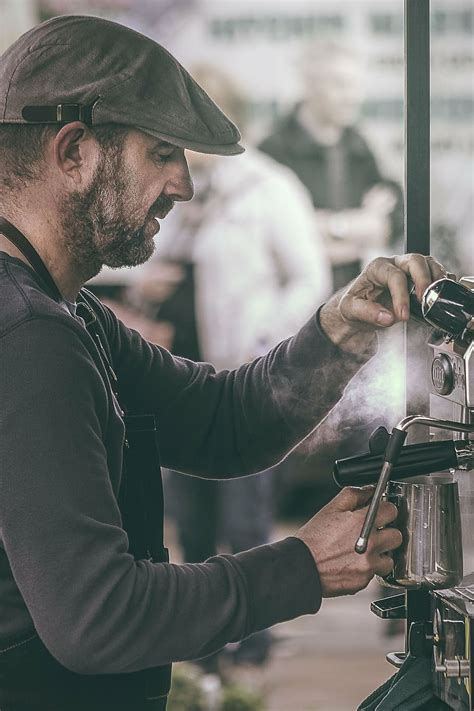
(76,67)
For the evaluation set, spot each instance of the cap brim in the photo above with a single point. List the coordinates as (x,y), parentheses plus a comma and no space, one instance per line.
(223,149)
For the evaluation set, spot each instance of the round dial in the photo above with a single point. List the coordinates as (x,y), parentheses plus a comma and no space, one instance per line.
(442,374)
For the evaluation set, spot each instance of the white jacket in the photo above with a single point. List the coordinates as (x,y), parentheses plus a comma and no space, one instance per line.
(260,265)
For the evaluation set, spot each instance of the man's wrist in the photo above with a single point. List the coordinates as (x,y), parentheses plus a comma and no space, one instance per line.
(350,336)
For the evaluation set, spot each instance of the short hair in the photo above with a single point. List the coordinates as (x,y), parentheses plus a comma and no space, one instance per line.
(318,54)
(22,149)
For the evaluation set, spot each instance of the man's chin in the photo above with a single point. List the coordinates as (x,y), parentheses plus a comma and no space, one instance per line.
(132,259)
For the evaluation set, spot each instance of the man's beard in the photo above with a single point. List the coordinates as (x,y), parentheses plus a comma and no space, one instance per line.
(104,225)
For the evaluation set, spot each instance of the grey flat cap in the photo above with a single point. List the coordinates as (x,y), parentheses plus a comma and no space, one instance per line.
(85,68)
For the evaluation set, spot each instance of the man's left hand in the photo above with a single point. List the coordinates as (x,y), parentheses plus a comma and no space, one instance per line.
(378,298)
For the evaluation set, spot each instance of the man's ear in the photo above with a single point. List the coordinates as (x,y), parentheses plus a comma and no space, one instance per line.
(75,152)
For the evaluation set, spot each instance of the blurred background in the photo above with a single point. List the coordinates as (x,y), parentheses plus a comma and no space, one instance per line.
(316,87)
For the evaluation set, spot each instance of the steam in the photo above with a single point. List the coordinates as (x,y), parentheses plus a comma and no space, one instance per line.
(374,397)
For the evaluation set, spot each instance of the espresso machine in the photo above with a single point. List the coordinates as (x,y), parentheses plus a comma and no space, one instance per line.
(431,485)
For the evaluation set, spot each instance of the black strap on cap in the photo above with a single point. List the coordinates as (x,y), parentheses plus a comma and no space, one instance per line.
(60,113)
(29,252)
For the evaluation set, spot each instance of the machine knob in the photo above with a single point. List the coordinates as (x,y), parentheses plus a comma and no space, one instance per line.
(442,375)
(457,668)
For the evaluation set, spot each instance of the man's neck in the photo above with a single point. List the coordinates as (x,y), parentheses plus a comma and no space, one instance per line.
(45,240)
(324,133)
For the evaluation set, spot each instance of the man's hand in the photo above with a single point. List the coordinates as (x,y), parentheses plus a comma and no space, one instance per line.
(376,299)
(331,536)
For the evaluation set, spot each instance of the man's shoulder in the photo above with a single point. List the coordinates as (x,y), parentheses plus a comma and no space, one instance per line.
(24,301)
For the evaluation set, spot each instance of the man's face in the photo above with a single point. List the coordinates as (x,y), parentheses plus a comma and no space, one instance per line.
(334,92)
(112,222)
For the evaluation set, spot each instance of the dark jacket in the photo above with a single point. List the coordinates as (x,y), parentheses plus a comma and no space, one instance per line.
(292,145)
(65,568)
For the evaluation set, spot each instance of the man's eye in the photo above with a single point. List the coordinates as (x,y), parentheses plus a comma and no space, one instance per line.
(162,157)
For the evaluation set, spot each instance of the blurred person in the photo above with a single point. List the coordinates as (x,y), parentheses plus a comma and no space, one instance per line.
(92,614)
(253,267)
(359,210)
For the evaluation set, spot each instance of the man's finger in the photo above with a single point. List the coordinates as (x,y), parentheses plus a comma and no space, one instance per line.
(437,269)
(383,565)
(388,539)
(353,308)
(398,287)
(386,514)
(385,274)
(422,270)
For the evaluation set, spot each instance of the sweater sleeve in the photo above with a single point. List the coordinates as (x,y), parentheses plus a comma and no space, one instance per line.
(232,422)
(96,609)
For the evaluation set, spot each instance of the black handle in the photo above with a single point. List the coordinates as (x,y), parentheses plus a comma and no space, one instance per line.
(414,460)
(396,658)
(390,608)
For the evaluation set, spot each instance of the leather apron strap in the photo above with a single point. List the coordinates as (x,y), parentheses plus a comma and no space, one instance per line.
(17,238)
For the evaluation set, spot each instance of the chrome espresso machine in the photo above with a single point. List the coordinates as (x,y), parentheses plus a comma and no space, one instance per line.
(431,485)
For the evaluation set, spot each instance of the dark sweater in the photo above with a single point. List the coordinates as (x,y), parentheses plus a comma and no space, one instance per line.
(291,144)
(64,565)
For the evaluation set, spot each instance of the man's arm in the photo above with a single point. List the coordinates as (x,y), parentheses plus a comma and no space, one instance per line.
(96,609)
(233,423)
(243,421)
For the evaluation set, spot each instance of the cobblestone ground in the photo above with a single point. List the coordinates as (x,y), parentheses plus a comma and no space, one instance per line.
(326,662)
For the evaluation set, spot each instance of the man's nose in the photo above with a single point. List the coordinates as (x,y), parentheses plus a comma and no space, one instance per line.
(180,185)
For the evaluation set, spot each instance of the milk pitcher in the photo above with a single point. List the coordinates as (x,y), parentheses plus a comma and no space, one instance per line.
(429,518)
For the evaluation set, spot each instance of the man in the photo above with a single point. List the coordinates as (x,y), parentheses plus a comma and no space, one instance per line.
(91,613)
(359,210)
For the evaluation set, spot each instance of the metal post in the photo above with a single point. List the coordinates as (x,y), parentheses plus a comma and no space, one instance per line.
(417,126)
(417,185)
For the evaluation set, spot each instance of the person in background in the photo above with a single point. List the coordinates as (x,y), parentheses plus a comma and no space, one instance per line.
(252,266)
(360,212)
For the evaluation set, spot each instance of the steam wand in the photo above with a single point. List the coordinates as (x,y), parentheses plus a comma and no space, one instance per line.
(392,453)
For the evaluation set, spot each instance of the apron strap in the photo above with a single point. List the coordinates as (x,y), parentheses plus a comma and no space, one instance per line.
(29,252)
(141,499)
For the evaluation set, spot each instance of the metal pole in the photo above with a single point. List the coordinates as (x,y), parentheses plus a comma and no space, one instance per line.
(417,126)
(417,187)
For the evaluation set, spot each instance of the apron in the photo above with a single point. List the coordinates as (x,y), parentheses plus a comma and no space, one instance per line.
(31,679)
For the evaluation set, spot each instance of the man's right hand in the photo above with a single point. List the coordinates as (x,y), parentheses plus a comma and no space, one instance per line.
(331,535)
